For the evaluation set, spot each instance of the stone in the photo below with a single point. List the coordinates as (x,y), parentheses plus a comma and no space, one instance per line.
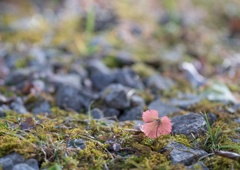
(76,143)
(68,97)
(111,112)
(43,107)
(128,78)
(134,113)
(18,106)
(8,161)
(97,66)
(97,113)
(184,155)
(3,108)
(125,58)
(102,80)
(191,123)
(163,109)
(185,103)
(15,78)
(115,96)
(72,80)
(137,101)
(158,82)
(22,166)
(192,75)
(197,166)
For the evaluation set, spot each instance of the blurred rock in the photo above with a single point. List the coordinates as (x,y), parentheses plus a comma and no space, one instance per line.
(115,96)
(159,82)
(97,113)
(110,112)
(102,80)
(7,162)
(163,108)
(192,75)
(18,106)
(32,163)
(72,80)
(134,113)
(43,107)
(22,166)
(128,78)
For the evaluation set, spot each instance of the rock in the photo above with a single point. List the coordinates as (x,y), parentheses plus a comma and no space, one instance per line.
(72,80)
(97,66)
(185,103)
(163,108)
(15,78)
(128,78)
(68,97)
(125,58)
(102,80)
(158,82)
(237,120)
(2,109)
(22,166)
(43,107)
(115,96)
(97,113)
(192,75)
(134,113)
(137,101)
(111,112)
(76,143)
(8,161)
(17,106)
(191,123)
(182,154)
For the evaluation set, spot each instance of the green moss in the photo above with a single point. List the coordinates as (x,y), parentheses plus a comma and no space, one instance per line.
(217,162)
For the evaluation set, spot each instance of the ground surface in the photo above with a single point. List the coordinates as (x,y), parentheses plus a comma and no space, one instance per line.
(76,76)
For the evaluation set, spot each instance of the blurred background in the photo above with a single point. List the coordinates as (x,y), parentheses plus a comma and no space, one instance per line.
(146,35)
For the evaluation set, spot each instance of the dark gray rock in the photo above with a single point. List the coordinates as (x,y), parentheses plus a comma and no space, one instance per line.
(22,166)
(7,162)
(18,106)
(128,78)
(43,107)
(68,97)
(137,101)
(115,96)
(97,113)
(163,108)
(15,78)
(72,80)
(76,143)
(185,103)
(110,112)
(182,154)
(197,166)
(238,120)
(159,82)
(32,163)
(134,113)
(191,123)
(125,58)
(97,66)
(102,80)
(3,108)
